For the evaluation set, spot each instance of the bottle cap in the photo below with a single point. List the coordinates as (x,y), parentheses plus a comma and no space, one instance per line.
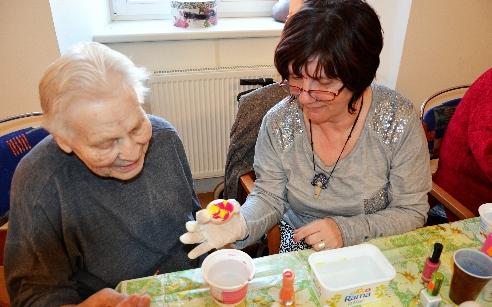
(437,252)
(435,283)
(288,278)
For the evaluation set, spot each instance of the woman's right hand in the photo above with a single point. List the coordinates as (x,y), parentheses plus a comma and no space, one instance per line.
(320,234)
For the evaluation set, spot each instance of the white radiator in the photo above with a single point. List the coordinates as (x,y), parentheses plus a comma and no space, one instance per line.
(201,104)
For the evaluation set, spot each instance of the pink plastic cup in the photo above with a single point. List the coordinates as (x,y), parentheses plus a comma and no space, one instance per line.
(228,272)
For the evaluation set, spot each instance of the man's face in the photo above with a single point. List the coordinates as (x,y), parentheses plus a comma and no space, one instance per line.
(111,137)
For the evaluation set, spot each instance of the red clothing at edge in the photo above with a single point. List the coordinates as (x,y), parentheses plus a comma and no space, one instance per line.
(465,158)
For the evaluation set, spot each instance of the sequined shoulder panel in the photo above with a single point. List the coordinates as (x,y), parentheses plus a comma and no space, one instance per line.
(377,202)
(285,122)
(391,114)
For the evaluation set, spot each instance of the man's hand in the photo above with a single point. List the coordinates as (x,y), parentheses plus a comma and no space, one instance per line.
(213,232)
(110,298)
(320,234)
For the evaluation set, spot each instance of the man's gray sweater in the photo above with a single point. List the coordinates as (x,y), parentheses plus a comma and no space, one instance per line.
(72,233)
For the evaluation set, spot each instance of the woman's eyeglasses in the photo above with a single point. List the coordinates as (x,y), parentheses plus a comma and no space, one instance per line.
(317,95)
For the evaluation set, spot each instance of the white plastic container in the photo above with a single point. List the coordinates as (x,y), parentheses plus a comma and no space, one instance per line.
(351,275)
(228,272)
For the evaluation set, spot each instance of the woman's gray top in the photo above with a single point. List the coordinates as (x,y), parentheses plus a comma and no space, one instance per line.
(379,189)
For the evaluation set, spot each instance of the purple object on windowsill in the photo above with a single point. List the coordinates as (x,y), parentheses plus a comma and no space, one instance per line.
(280,10)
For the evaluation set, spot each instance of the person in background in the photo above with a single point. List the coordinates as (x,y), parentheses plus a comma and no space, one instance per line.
(465,156)
(104,197)
(341,160)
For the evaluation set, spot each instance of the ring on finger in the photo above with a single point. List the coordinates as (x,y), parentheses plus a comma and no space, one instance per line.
(321,245)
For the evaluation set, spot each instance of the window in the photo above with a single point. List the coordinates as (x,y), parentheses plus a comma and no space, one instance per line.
(161,9)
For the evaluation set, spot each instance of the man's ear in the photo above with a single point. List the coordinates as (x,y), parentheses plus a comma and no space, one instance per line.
(62,143)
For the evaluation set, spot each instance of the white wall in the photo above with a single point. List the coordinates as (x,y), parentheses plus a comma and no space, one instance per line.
(448,42)
(76,20)
(32,35)
(394,19)
(28,45)
(168,55)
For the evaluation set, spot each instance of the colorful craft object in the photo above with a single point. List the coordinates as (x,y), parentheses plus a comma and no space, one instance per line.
(221,210)
(194,14)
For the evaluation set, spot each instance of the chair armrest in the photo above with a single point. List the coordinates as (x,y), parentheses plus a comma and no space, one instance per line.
(4,295)
(273,235)
(448,201)
(248,182)
(273,238)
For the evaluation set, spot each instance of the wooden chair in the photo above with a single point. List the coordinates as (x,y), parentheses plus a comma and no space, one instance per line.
(253,105)
(18,135)
(4,296)
(435,114)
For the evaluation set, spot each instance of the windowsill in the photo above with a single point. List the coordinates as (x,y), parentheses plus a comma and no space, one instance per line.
(164,30)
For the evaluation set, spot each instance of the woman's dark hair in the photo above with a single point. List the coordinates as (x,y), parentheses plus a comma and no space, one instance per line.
(344,36)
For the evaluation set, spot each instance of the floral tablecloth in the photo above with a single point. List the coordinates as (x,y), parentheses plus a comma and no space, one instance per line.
(406,252)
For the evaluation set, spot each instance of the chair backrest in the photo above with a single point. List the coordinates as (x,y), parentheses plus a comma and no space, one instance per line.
(240,155)
(435,114)
(239,174)
(18,135)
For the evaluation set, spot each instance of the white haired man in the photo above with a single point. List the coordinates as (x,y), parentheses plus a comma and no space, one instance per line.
(104,197)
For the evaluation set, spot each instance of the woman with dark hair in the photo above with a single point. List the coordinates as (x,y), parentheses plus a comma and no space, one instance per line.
(340,160)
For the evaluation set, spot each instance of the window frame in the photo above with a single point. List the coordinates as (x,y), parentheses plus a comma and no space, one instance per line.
(161,9)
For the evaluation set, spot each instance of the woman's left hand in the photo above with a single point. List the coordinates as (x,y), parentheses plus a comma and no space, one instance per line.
(320,234)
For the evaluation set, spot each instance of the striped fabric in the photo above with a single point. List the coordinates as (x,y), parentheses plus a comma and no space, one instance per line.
(435,122)
(14,146)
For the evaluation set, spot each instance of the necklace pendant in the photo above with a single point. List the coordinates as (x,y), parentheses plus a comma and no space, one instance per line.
(317,190)
(319,182)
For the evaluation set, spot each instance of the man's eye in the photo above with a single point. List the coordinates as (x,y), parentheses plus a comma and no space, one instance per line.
(105,145)
(137,130)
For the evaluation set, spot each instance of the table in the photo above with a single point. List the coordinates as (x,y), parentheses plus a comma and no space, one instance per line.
(406,252)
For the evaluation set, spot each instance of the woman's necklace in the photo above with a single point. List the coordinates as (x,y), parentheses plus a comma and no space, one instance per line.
(320,180)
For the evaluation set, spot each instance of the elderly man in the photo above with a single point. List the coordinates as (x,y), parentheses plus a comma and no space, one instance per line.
(104,198)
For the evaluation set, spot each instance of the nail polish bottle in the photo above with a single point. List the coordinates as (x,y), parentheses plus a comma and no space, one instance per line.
(287,294)
(432,263)
(487,250)
(430,297)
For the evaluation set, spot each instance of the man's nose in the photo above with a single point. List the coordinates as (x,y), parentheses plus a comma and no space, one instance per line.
(129,149)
